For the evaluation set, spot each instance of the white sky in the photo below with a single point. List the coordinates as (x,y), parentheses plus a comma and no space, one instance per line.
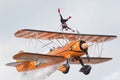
(88,16)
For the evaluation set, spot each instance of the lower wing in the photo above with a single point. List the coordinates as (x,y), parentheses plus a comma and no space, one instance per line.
(39,59)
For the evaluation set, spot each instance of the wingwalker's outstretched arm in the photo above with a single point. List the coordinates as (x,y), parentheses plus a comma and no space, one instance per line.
(63,21)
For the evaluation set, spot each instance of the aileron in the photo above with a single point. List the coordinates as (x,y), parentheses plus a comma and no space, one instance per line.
(93,60)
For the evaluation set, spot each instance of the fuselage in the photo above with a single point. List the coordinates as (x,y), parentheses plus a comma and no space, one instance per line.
(69,50)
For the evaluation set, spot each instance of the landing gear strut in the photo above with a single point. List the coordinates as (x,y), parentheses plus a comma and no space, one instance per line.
(85,68)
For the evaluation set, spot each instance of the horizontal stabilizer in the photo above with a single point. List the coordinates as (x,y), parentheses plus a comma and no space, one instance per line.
(13,64)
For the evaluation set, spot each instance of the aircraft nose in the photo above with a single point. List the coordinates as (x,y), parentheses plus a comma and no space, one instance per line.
(84,46)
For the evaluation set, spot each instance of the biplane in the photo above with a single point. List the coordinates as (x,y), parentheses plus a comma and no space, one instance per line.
(74,51)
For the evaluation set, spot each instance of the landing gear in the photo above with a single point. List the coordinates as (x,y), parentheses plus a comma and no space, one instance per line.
(85,68)
(65,67)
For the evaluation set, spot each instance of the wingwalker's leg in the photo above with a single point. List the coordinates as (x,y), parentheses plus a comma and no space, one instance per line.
(65,67)
(85,68)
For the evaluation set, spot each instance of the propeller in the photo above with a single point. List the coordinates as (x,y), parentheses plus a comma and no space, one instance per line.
(84,47)
(87,55)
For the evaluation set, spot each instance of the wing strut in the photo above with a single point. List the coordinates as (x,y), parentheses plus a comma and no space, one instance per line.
(102,47)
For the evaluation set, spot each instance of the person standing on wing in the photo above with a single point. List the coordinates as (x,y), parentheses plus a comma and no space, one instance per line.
(63,22)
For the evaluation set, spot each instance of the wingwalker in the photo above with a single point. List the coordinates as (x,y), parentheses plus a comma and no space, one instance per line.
(72,52)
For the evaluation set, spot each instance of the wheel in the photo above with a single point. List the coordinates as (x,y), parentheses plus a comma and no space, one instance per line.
(64,68)
(86,69)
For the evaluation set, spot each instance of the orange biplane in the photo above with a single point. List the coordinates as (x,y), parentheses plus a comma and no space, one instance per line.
(70,53)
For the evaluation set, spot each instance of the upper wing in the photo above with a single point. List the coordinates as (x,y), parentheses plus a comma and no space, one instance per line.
(47,35)
(93,60)
(41,58)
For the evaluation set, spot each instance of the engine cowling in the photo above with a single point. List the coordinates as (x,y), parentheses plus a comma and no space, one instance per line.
(79,45)
(84,48)
(83,45)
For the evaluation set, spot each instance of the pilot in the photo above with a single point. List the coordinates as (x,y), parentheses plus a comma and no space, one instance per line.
(63,22)
(52,49)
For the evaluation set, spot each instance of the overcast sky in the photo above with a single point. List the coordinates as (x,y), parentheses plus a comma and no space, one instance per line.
(88,16)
